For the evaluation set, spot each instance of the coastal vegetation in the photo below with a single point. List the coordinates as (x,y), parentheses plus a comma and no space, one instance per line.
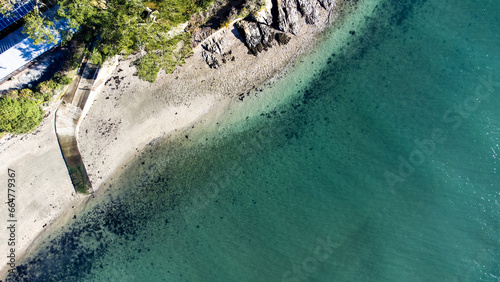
(19,116)
(149,29)
(120,27)
(124,27)
(116,27)
(20,110)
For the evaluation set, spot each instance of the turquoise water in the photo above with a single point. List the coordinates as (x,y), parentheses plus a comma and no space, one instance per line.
(378,163)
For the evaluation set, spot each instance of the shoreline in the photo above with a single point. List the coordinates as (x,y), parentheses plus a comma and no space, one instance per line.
(109,144)
(138,112)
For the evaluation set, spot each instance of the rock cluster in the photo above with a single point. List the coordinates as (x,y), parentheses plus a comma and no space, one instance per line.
(213,53)
(282,38)
(259,31)
(257,36)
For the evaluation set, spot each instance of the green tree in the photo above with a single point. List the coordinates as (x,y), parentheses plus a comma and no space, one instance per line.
(128,26)
(6,6)
(13,94)
(38,28)
(19,116)
(122,27)
(26,93)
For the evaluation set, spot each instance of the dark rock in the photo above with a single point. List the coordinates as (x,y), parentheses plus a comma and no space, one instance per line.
(211,60)
(226,56)
(309,9)
(251,35)
(213,45)
(282,38)
(327,4)
(266,35)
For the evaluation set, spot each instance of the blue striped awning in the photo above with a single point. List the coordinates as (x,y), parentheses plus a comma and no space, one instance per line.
(20,10)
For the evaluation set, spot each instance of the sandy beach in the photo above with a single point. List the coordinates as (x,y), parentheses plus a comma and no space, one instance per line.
(126,115)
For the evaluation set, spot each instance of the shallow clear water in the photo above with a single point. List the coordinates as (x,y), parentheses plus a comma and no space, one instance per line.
(375,159)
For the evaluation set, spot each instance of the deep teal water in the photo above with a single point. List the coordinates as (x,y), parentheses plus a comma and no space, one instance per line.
(382,165)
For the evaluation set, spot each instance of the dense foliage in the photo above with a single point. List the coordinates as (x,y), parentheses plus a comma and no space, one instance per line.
(125,26)
(19,116)
(121,26)
(20,110)
(40,29)
(6,6)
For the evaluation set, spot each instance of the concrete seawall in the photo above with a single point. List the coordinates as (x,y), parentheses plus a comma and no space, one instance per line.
(75,105)
(67,116)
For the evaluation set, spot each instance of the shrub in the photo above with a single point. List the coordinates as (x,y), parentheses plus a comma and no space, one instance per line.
(19,116)
(26,93)
(43,97)
(96,57)
(204,4)
(45,87)
(148,67)
(52,84)
(13,94)
(61,79)
(65,80)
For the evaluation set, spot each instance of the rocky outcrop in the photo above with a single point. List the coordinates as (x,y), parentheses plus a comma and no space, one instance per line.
(210,59)
(266,35)
(200,35)
(282,38)
(213,54)
(264,17)
(251,35)
(278,18)
(257,36)
(310,10)
(288,16)
(259,32)
(213,47)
